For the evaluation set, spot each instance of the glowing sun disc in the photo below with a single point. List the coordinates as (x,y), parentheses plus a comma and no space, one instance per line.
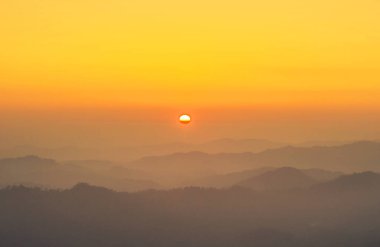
(184,119)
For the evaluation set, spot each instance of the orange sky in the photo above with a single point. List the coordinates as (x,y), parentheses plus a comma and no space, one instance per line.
(281,56)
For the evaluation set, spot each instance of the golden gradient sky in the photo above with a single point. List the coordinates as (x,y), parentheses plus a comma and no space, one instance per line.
(276,54)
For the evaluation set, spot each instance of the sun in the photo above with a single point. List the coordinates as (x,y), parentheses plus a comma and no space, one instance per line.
(185,119)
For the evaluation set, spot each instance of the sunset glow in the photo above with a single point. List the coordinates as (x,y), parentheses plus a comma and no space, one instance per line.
(238,63)
(171,123)
(228,53)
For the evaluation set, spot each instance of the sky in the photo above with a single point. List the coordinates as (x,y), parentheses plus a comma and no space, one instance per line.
(274,69)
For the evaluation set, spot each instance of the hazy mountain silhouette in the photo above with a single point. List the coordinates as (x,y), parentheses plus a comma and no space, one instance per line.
(365,181)
(227,180)
(358,156)
(194,168)
(182,167)
(237,145)
(135,152)
(28,162)
(33,170)
(59,153)
(231,179)
(284,178)
(321,175)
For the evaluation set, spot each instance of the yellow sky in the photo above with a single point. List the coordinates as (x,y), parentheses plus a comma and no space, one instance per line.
(189,53)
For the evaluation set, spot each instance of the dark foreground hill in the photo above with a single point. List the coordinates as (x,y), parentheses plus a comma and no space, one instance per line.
(192,217)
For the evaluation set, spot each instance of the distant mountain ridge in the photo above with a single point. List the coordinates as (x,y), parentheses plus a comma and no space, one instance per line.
(233,179)
(363,181)
(48,173)
(284,178)
(129,153)
(28,160)
(358,156)
(182,169)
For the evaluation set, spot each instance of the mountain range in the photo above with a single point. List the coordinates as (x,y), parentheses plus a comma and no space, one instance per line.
(179,167)
(48,173)
(129,153)
(302,166)
(340,212)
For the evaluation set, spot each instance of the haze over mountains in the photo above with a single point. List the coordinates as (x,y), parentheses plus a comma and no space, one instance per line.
(129,153)
(174,168)
(135,152)
(48,173)
(218,170)
(283,196)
